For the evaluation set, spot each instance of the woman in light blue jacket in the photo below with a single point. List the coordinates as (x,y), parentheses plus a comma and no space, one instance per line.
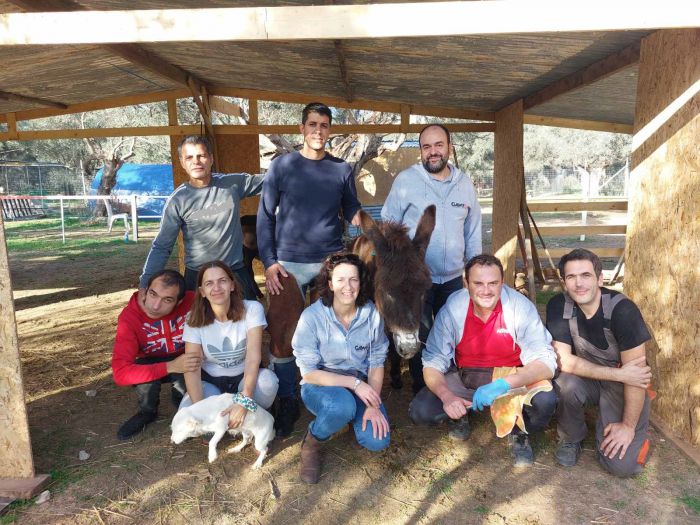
(340,347)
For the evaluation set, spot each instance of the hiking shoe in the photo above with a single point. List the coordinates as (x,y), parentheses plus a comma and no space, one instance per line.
(134,425)
(458,430)
(521,450)
(287,413)
(567,453)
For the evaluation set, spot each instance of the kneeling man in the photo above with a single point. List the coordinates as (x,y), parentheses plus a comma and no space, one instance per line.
(599,336)
(148,348)
(487,325)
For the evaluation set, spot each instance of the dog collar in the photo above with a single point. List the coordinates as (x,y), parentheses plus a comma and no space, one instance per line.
(245,402)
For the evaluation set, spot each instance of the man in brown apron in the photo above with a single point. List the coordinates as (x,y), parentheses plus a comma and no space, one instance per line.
(600,337)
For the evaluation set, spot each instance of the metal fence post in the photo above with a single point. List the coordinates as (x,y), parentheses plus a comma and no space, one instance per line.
(63,225)
(134,218)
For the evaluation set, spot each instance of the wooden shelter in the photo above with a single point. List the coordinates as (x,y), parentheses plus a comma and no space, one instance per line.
(628,67)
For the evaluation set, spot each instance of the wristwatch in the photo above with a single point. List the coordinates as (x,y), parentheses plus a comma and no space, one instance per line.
(357,383)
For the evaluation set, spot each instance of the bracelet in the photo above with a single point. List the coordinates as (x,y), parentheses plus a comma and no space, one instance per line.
(357,383)
(245,402)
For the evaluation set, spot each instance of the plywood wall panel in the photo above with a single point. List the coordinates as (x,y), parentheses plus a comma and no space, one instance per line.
(15,446)
(663,235)
(508,173)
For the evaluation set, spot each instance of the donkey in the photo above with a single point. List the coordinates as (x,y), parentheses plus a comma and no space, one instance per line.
(400,276)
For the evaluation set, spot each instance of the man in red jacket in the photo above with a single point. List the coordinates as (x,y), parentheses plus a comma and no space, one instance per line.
(149,350)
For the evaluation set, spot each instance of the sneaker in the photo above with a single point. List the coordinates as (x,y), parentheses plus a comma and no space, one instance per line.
(567,454)
(134,425)
(287,413)
(458,430)
(521,450)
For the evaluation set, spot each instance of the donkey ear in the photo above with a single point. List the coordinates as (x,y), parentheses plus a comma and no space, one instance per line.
(376,237)
(366,221)
(424,230)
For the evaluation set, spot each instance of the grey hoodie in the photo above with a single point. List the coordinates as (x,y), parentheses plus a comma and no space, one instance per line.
(457,235)
(320,340)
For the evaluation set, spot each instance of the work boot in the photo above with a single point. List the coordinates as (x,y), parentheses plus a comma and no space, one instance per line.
(458,430)
(287,413)
(310,464)
(521,450)
(135,424)
(567,453)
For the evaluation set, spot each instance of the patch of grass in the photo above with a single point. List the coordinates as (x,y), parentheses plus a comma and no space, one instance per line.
(481,509)
(619,504)
(643,479)
(11,512)
(692,502)
(74,247)
(544,297)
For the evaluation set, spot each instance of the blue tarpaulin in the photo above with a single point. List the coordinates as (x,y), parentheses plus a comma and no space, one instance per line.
(142,180)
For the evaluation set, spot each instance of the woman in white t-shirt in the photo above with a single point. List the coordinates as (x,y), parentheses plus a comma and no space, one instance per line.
(226,331)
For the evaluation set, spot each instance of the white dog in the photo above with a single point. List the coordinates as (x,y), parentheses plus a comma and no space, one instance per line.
(205,416)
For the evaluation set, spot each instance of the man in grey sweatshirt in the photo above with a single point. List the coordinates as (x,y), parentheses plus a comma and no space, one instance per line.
(206,209)
(457,234)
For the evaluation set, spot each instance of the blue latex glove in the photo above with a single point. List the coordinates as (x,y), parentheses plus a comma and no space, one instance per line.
(486,394)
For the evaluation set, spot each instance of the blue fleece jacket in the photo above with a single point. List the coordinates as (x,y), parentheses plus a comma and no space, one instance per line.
(298,217)
(457,235)
(321,341)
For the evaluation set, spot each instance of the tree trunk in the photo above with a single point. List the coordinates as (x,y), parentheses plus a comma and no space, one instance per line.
(109,180)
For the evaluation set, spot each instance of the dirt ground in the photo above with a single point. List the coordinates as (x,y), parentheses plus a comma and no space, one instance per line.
(67,303)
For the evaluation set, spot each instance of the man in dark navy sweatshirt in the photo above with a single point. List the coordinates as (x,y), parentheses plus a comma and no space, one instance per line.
(299,224)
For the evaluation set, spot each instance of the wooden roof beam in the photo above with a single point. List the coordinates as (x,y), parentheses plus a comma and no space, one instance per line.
(342,65)
(131,52)
(590,125)
(338,22)
(6,95)
(586,76)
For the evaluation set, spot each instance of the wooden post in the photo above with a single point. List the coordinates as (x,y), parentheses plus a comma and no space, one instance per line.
(508,175)
(663,232)
(16,465)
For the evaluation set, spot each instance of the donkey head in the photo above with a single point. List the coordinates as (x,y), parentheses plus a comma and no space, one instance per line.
(401,277)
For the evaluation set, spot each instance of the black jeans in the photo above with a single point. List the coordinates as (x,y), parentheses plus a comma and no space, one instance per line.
(435,298)
(242,275)
(149,393)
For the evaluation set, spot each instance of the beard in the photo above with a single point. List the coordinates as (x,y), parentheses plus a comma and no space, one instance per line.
(434,168)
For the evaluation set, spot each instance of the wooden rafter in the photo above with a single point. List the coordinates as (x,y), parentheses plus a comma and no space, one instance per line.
(6,95)
(342,65)
(145,98)
(264,129)
(588,75)
(333,22)
(130,52)
(591,125)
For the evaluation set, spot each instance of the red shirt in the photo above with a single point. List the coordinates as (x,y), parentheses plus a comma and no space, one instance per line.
(486,344)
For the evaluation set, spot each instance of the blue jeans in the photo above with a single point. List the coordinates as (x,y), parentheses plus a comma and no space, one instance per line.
(335,407)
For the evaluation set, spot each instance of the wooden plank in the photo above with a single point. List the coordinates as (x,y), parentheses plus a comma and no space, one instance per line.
(332,22)
(343,69)
(6,95)
(11,126)
(16,457)
(252,112)
(547,206)
(596,71)
(508,175)
(405,117)
(557,122)
(692,453)
(172,112)
(563,231)
(663,233)
(23,488)
(602,251)
(147,131)
(159,96)
(224,106)
(113,102)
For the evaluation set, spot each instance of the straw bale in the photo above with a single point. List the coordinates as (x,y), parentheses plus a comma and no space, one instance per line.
(663,234)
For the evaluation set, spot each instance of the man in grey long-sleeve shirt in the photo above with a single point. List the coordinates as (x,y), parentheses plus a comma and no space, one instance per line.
(457,234)
(206,209)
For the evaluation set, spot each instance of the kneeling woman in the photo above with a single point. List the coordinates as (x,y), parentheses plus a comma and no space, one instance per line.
(340,347)
(226,331)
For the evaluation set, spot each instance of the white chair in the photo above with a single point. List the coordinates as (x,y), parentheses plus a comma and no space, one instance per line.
(111,217)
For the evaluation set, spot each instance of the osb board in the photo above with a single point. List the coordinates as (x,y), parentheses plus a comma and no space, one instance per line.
(508,173)
(376,177)
(663,234)
(16,456)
